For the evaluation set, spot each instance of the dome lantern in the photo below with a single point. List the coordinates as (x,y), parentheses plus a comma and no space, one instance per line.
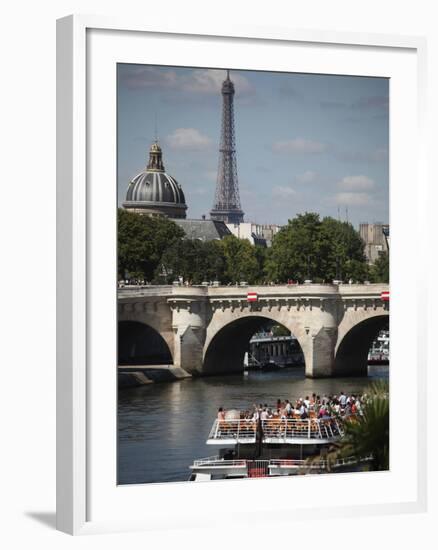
(155,158)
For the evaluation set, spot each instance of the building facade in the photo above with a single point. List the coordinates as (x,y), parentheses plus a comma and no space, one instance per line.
(376,239)
(260,234)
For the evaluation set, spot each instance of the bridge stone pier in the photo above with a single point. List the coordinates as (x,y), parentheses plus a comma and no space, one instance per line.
(206,330)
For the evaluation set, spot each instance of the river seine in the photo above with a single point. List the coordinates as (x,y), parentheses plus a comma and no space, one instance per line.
(163,427)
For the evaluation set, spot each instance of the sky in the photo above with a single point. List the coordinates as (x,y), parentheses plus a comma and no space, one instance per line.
(305,142)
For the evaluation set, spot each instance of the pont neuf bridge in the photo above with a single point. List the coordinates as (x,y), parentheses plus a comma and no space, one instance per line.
(206,330)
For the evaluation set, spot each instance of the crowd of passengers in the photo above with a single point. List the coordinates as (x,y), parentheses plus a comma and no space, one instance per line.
(313,406)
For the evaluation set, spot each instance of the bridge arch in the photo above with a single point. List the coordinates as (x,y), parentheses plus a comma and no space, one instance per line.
(351,354)
(141,344)
(225,347)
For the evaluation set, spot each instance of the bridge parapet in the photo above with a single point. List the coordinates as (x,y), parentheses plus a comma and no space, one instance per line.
(372,290)
(129,292)
(261,290)
(274,290)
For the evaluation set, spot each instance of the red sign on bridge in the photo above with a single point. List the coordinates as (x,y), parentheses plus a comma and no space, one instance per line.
(384,295)
(251,297)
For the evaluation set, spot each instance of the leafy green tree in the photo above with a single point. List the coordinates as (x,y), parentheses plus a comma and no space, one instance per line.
(241,260)
(194,260)
(344,256)
(261,253)
(213,261)
(295,249)
(321,250)
(379,271)
(141,240)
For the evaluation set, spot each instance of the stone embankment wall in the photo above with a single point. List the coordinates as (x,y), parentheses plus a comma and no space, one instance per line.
(133,376)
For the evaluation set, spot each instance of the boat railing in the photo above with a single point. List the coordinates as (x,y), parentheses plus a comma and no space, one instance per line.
(240,430)
(278,429)
(280,463)
(218,461)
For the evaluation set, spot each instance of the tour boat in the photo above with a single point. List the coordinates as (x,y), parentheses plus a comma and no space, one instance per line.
(269,448)
(379,352)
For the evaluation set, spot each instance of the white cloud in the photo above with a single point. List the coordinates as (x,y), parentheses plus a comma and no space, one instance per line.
(299,145)
(283,192)
(202,81)
(139,76)
(209,81)
(353,199)
(188,139)
(307,177)
(356,183)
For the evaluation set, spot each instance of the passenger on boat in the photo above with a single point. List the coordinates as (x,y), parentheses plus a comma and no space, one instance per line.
(342,400)
(314,407)
(303,410)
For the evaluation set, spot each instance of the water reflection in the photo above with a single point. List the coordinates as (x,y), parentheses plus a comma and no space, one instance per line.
(163,427)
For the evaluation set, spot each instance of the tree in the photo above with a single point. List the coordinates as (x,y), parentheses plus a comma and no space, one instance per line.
(141,240)
(213,262)
(261,254)
(321,250)
(295,249)
(344,248)
(241,260)
(194,260)
(379,272)
(365,436)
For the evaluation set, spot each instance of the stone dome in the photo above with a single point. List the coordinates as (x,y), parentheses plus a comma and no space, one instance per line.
(154,192)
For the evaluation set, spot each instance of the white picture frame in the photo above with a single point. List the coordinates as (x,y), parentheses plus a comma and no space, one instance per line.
(87,502)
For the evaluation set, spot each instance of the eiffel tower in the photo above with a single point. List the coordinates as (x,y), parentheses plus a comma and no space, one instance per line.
(227,201)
